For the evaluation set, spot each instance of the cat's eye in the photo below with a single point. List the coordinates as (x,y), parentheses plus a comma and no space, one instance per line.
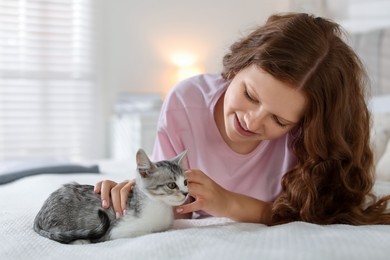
(171,185)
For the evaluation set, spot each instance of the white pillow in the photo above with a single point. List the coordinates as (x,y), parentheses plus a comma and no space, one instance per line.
(383,166)
(380,133)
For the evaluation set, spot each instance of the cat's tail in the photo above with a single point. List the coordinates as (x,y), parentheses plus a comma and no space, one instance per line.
(67,237)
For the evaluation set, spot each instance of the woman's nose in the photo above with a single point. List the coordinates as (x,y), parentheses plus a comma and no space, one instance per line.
(254,120)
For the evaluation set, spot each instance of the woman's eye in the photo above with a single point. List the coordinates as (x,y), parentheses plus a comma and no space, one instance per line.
(277,121)
(171,185)
(248,96)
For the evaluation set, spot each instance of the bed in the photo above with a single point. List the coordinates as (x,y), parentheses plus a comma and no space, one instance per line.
(209,238)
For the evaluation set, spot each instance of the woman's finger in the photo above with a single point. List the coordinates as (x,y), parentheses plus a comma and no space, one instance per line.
(98,187)
(105,190)
(195,176)
(195,189)
(191,207)
(116,198)
(124,194)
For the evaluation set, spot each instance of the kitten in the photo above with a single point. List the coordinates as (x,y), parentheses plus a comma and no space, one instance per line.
(73,213)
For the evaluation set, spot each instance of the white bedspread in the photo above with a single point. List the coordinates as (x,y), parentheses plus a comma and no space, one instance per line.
(212,238)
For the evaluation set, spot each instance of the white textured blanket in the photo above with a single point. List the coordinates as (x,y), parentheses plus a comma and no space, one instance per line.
(212,238)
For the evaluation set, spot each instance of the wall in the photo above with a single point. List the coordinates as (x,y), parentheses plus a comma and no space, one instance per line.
(353,15)
(141,35)
(136,39)
(364,15)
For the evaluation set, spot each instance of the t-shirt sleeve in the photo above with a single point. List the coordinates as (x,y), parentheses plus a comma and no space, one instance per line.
(168,143)
(163,147)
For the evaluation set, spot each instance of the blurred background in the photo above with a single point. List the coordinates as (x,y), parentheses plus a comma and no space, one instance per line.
(85,79)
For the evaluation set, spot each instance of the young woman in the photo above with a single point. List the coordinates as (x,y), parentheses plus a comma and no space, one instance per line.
(281,135)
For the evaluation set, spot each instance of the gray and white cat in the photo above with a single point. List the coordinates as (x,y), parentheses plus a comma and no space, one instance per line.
(73,213)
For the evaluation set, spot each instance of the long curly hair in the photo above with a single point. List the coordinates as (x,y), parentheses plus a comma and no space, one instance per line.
(333,179)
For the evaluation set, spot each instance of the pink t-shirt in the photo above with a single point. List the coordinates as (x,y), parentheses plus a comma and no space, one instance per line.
(187,122)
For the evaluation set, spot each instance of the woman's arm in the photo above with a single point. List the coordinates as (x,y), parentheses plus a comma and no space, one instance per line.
(246,209)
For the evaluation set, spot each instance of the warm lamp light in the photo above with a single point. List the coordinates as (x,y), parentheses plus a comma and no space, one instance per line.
(183,59)
(186,64)
(187,72)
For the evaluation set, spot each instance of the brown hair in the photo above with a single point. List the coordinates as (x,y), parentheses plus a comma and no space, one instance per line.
(333,179)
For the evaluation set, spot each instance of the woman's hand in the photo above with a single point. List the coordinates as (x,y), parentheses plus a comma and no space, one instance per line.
(209,196)
(219,202)
(119,194)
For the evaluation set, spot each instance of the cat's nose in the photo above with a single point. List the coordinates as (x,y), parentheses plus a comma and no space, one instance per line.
(184,193)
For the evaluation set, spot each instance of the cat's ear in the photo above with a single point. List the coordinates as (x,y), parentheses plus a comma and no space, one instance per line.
(179,158)
(144,165)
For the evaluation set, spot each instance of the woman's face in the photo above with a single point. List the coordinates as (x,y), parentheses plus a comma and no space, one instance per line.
(258,107)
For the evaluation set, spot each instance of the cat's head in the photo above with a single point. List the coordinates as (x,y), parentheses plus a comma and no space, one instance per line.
(163,180)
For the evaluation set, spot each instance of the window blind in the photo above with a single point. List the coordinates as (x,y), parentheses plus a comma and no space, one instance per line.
(47,88)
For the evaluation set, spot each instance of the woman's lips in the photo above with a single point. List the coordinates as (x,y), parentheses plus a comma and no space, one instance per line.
(240,129)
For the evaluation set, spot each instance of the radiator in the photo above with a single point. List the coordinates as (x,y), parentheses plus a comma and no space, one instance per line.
(129,132)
